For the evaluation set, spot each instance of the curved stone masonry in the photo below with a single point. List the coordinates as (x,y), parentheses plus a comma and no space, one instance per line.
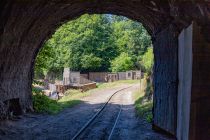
(25,25)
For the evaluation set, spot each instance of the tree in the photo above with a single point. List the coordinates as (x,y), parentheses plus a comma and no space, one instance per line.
(122,63)
(89,34)
(91,43)
(42,61)
(147,60)
(130,37)
(91,62)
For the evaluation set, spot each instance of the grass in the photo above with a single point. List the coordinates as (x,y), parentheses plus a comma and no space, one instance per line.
(72,98)
(143,105)
(42,104)
(115,84)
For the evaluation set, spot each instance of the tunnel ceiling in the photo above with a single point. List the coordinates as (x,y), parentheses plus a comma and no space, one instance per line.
(46,15)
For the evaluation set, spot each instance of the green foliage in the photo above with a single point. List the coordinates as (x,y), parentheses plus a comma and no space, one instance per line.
(36,82)
(79,39)
(143,99)
(122,63)
(149,88)
(143,106)
(43,104)
(36,90)
(147,60)
(91,43)
(91,62)
(130,37)
(43,60)
(116,83)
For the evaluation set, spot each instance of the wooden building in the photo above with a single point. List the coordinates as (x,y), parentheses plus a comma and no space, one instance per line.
(133,75)
(112,77)
(121,75)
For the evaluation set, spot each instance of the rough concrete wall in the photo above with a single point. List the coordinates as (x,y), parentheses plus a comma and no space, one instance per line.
(75,77)
(165,80)
(66,76)
(70,77)
(185,80)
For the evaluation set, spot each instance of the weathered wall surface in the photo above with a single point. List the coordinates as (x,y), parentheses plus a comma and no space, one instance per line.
(98,76)
(122,75)
(200,95)
(166,80)
(184,85)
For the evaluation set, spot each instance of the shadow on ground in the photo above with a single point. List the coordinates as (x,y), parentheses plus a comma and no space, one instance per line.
(65,124)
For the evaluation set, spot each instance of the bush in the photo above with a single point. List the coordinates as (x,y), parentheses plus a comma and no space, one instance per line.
(144,108)
(143,100)
(42,104)
(36,82)
(149,88)
(122,63)
(147,61)
(36,90)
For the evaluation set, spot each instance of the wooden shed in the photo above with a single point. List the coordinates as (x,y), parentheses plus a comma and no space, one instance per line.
(133,75)
(121,75)
(112,77)
(129,75)
(137,75)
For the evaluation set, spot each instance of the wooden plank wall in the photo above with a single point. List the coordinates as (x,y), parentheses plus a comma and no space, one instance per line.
(200,96)
(185,83)
(165,81)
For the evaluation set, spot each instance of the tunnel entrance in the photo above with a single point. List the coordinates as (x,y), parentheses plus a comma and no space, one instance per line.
(91,51)
(26,25)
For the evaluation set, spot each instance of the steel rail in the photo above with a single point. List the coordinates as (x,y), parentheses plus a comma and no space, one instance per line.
(96,114)
(115,124)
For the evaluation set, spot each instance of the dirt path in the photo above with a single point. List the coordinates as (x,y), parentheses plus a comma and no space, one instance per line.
(129,127)
(67,123)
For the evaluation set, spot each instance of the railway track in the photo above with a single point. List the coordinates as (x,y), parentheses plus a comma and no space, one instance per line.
(93,118)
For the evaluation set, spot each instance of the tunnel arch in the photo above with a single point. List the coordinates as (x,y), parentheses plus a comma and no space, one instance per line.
(25,25)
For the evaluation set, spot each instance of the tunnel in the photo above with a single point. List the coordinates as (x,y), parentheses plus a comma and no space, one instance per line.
(180,35)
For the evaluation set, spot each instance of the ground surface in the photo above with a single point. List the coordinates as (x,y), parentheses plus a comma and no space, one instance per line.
(69,121)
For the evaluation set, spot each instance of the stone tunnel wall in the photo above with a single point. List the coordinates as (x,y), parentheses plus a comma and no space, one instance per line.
(25,25)
(166,80)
